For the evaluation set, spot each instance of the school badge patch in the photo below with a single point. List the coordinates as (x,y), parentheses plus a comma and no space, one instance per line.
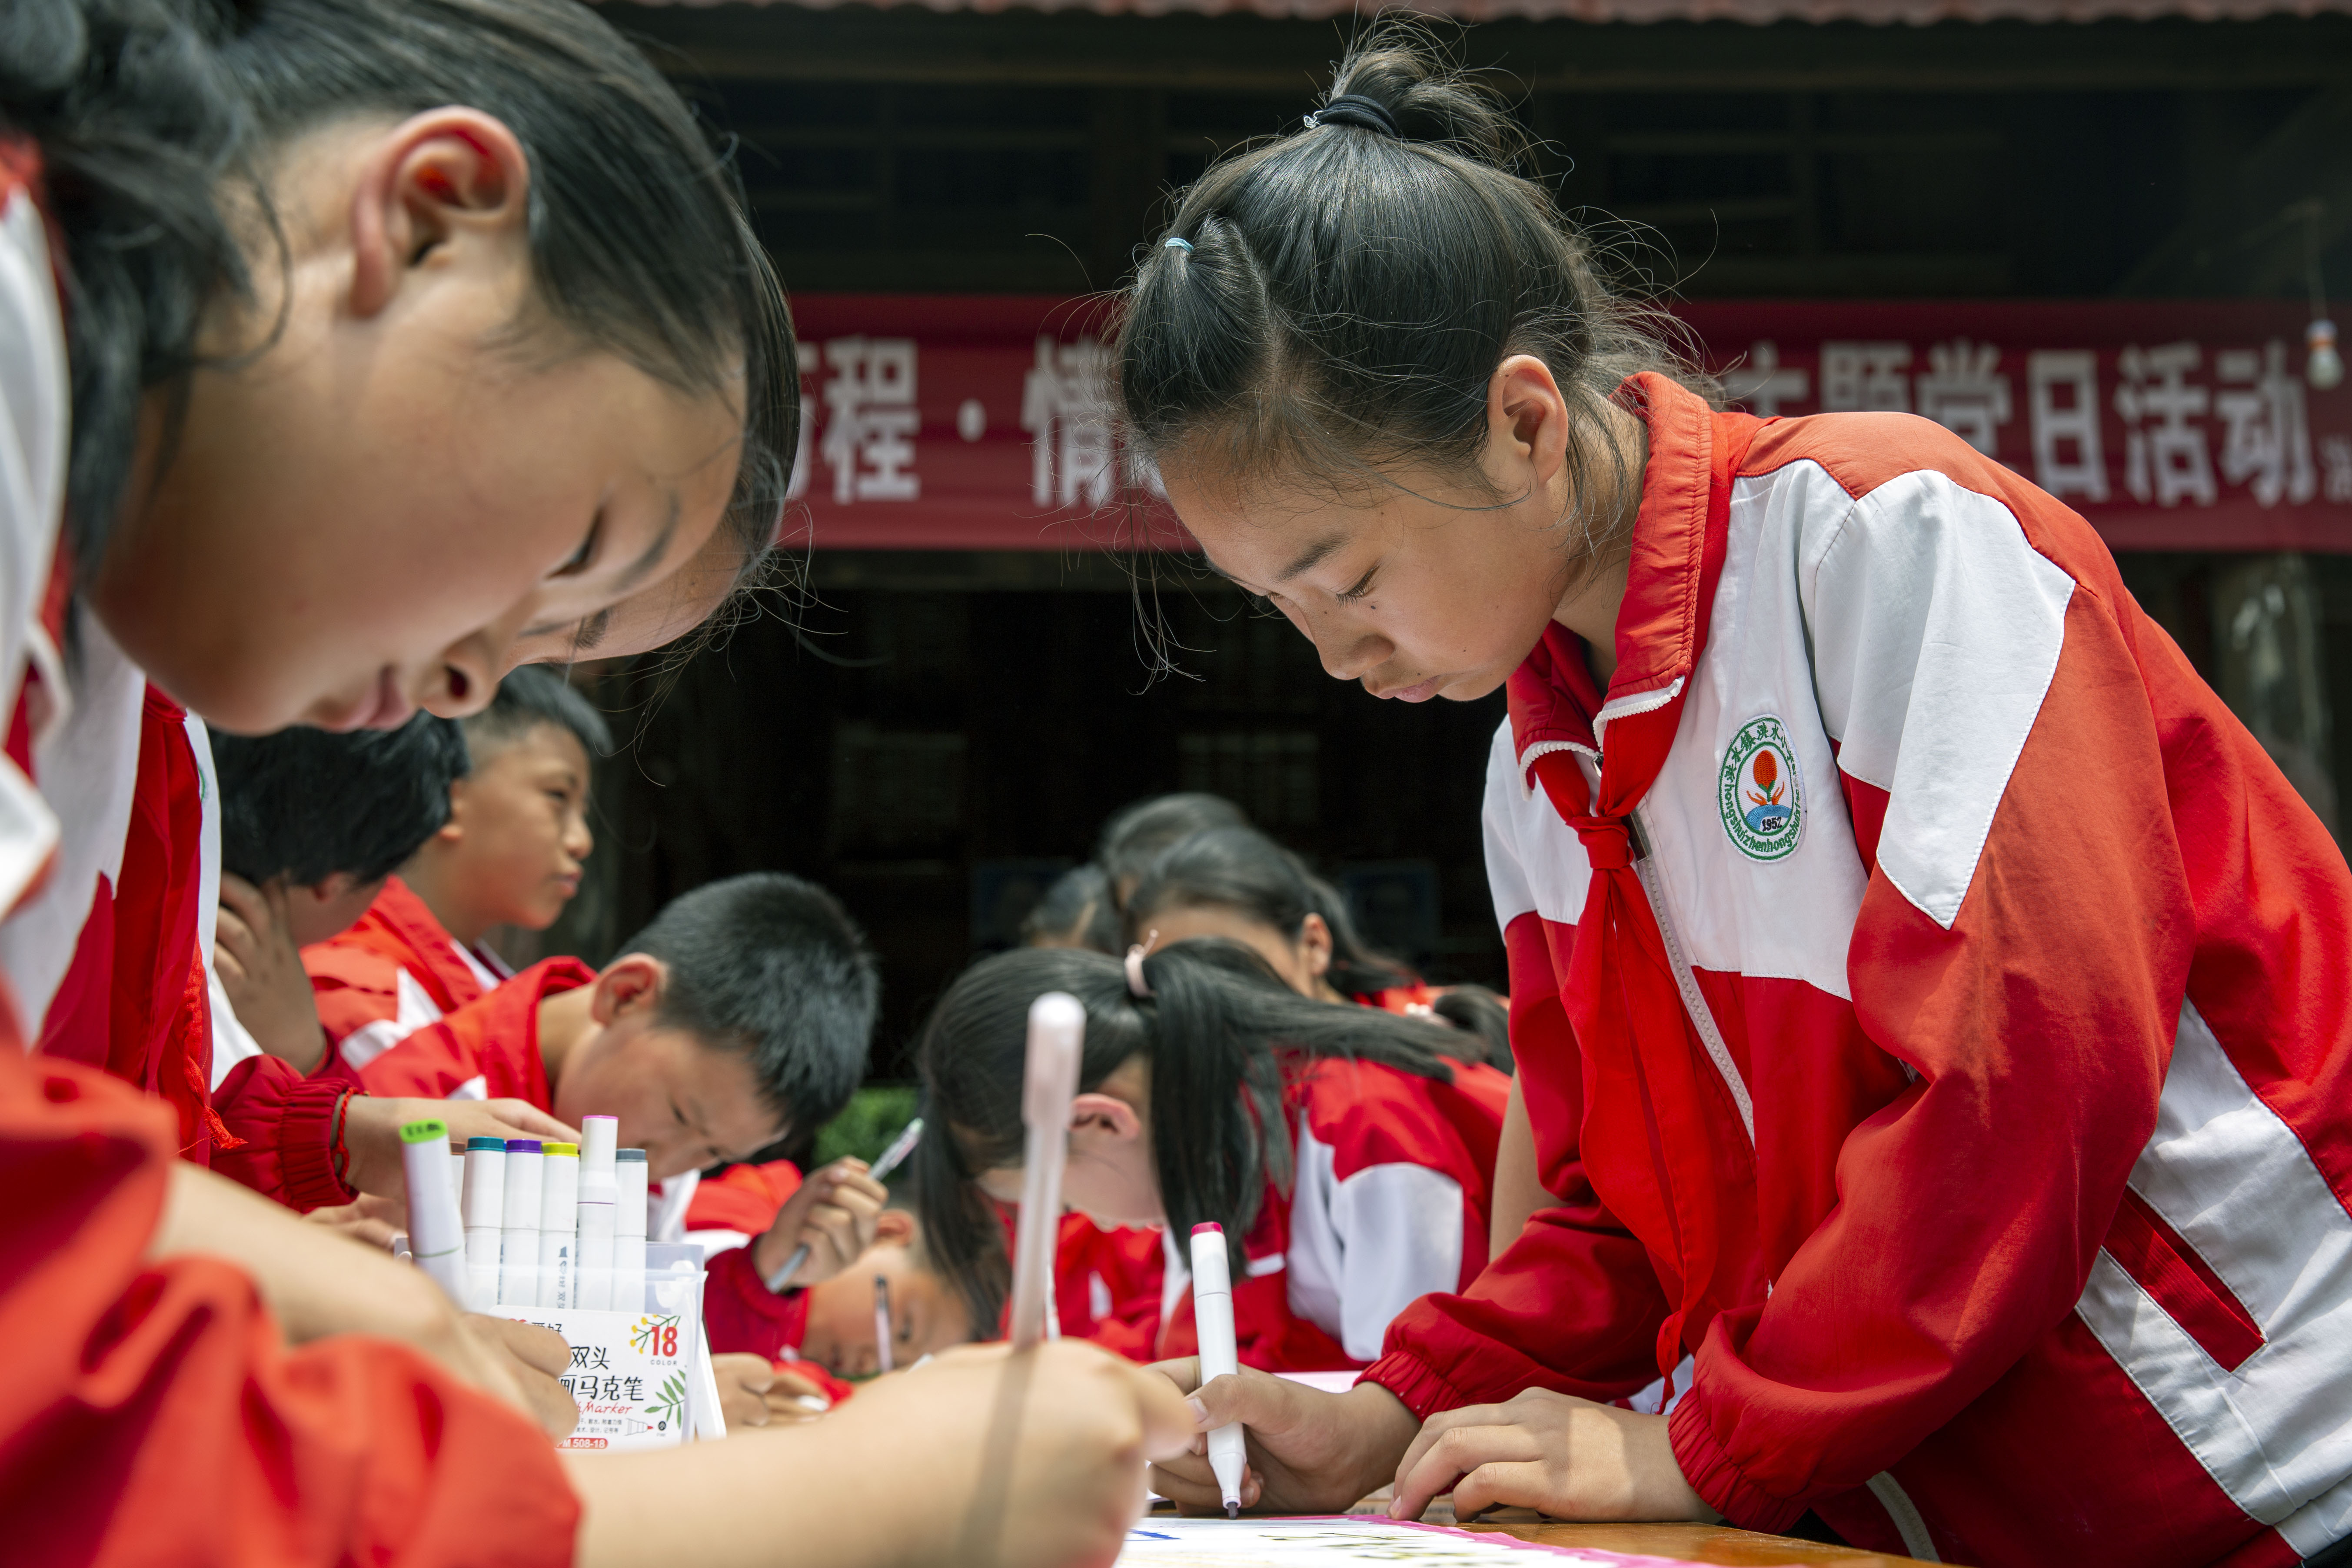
(1761,798)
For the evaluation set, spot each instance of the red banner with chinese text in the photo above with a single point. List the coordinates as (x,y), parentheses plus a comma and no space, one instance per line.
(982,422)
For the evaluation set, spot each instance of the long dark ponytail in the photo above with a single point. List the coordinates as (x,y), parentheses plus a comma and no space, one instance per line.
(155,116)
(1216,1030)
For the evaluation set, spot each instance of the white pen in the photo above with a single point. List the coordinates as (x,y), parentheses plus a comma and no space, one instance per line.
(881,1323)
(892,1158)
(436,1233)
(485,1208)
(1058,1032)
(598,1134)
(630,1172)
(559,1224)
(1212,1318)
(519,1228)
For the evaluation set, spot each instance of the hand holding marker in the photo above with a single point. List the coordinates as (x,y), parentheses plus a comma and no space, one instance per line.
(1212,1315)
(892,1158)
(1057,1030)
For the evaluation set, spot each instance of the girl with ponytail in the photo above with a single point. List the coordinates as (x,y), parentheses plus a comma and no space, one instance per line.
(1894,920)
(1237,883)
(352,353)
(1345,1151)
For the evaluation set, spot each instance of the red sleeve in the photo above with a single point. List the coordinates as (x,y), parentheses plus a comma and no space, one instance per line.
(426,1065)
(1573,1305)
(155,1415)
(2044,1012)
(353,986)
(286,1129)
(740,1313)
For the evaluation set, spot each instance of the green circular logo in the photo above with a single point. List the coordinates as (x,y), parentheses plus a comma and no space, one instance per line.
(1759,793)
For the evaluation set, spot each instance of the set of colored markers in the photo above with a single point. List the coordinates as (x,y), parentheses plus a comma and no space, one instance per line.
(520,1222)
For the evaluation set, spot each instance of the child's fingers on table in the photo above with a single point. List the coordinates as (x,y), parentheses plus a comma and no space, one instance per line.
(1445,1421)
(1514,1483)
(1458,1451)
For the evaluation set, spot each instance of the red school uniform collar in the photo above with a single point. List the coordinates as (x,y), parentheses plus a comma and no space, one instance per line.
(1677,548)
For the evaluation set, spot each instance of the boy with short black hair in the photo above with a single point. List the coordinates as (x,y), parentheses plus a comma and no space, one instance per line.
(313,824)
(508,852)
(742,1012)
(740,1015)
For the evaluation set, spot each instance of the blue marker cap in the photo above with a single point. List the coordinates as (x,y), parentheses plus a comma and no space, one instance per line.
(474,1143)
(521,1146)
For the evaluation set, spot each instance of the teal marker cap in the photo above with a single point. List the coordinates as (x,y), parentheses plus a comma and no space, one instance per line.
(497,1143)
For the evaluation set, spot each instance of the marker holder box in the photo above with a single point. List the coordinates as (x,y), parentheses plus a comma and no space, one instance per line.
(634,1375)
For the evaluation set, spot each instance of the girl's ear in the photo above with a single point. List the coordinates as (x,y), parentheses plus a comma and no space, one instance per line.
(631,983)
(1106,1115)
(896,1226)
(438,178)
(1315,945)
(1527,420)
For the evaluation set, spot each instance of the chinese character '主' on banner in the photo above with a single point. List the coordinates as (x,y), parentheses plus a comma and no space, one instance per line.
(984,422)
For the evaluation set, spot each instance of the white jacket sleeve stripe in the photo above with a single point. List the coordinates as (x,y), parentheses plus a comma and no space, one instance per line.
(1936,629)
(1364,1249)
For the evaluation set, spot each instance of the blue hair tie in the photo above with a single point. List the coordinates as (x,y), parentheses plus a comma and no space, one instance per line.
(1175,244)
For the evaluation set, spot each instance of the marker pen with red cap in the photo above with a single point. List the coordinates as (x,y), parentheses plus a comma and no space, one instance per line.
(1213,1317)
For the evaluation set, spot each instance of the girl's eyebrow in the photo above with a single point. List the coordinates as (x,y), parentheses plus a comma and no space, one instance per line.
(1314,555)
(644,564)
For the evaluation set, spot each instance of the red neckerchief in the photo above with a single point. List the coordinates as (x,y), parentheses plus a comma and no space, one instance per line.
(1619,985)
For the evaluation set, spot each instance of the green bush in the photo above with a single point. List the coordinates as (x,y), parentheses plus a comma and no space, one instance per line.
(865,1126)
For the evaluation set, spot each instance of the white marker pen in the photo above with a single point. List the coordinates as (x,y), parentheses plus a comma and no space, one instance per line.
(1212,1318)
(519,1226)
(598,1136)
(436,1234)
(1058,1032)
(485,1210)
(559,1224)
(629,1172)
(881,1322)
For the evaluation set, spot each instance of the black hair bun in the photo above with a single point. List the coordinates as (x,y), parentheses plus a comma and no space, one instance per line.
(1398,69)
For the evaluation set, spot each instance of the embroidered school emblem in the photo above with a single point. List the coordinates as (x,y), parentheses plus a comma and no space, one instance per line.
(1760,795)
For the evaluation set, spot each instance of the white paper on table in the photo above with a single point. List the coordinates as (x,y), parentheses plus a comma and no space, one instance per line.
(1344,1540)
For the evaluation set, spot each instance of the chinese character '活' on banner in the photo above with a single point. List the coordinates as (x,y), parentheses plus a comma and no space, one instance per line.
(986,422)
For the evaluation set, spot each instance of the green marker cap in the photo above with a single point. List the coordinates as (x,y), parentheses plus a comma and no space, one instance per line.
(424,1132)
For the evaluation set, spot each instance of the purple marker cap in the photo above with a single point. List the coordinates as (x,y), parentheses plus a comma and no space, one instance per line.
(524,1146)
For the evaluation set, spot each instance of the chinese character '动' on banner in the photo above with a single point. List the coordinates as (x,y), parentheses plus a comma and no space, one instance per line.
(985,422)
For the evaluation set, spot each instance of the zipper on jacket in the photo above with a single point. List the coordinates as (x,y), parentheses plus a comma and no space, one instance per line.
(1693,1002)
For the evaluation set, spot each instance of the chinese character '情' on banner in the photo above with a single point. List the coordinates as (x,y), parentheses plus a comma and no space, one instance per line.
(984,422)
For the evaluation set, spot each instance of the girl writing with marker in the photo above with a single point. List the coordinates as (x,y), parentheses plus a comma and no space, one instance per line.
(1344,1152)
(1931,1004)
(352,351)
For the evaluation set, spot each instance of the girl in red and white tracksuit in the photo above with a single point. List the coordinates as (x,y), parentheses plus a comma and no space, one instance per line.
(1933,1008)
(1344,1153)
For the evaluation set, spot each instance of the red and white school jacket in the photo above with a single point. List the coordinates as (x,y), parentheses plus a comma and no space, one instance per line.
(391,972)
(1392,1180)
(1932,1005)
(488,1049)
